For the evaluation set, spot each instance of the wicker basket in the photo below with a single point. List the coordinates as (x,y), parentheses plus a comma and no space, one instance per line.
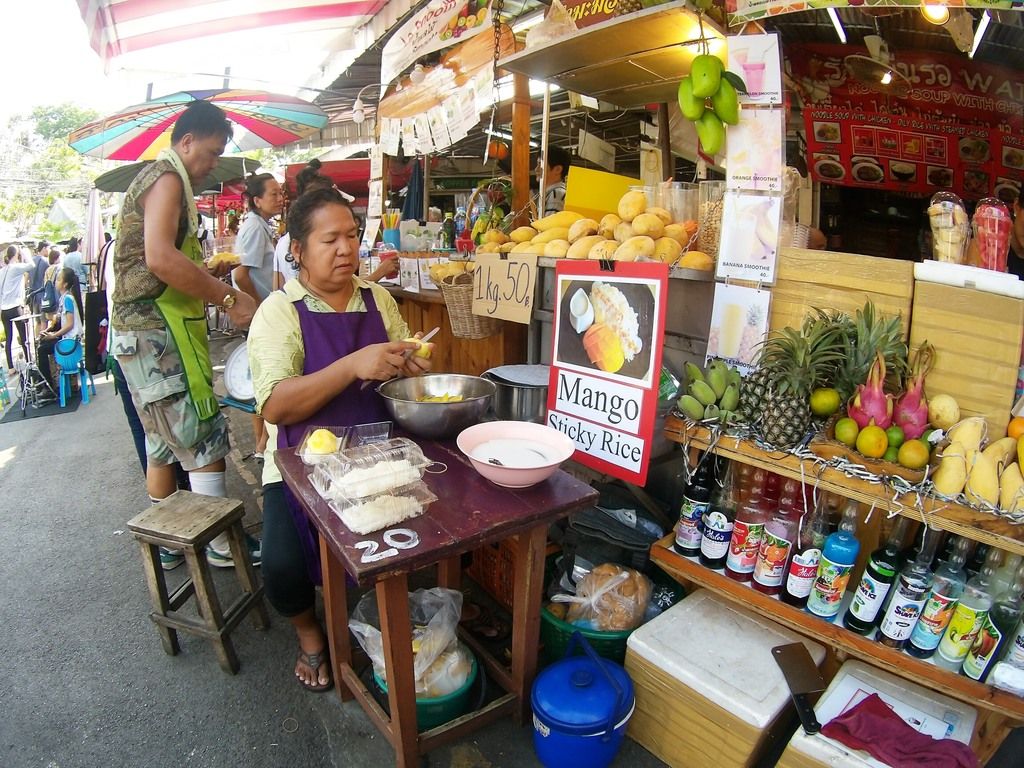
(458,295)
(493,567)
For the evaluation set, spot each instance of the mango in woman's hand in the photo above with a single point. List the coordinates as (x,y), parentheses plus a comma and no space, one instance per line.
(422,350)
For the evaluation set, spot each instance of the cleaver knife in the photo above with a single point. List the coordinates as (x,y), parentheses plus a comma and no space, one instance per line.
(803,679)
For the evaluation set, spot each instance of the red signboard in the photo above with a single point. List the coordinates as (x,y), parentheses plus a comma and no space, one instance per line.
(608,333)
(959,128)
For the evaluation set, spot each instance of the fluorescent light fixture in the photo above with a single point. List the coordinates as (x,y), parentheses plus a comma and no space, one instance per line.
(528,22)
(980,33)
(887,77)
(837,24)
(935,14)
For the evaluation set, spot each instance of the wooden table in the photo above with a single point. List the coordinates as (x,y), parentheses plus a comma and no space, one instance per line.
(470,512)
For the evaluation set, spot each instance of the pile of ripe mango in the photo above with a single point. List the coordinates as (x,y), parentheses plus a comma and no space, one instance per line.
(633,232)
(708,97)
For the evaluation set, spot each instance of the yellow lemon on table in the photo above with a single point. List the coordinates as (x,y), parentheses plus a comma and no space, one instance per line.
(872,442)
(321,442)
(847,431)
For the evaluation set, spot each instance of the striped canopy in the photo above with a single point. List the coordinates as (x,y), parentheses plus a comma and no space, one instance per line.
(139,132)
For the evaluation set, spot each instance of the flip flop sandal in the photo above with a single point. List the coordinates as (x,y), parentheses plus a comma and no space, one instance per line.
(470,613)
(314,661)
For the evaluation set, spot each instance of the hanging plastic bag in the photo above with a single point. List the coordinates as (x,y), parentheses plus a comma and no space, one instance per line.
(610,598)
(434,614)
(557,23)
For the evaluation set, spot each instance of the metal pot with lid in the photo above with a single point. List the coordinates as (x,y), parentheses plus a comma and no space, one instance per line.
(522,392)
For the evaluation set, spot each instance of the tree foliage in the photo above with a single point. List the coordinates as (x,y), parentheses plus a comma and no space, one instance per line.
(57,121)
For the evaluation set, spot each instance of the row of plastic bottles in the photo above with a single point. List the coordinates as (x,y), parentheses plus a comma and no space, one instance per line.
(770,532)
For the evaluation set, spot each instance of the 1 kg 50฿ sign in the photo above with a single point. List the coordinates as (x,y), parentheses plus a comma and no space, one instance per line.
(609,327)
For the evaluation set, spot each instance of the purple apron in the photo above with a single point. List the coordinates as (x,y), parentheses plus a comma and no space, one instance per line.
(328,336)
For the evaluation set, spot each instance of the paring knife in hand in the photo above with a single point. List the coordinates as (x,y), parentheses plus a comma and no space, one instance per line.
(408,353)
(803,679)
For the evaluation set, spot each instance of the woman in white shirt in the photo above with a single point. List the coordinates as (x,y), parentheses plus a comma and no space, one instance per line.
(12,300)
(67,325)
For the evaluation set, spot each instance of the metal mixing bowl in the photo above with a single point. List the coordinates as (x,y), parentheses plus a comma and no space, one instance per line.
(437,420)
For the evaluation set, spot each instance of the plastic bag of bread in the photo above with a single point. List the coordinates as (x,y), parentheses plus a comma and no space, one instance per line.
(610,598)
(447,674)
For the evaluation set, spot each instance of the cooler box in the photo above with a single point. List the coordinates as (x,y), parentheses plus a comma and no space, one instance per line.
(708,691)
(939,716)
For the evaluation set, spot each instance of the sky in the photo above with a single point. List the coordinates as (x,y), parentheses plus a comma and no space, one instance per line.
(48,61)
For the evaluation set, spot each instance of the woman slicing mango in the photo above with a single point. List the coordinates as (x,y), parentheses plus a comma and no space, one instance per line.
(311,346)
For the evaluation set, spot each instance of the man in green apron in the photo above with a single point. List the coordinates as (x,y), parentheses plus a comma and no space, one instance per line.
(159,316)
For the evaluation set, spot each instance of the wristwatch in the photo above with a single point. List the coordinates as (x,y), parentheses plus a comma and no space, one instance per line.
(228,301)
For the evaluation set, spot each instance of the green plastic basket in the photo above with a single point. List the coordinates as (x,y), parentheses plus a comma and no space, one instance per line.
(431,713)
(555,635)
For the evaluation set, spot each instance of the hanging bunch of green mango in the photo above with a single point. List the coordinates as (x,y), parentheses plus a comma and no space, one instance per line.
(708,97)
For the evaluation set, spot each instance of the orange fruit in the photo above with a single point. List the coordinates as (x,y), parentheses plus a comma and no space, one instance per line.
(872,442)
(914,454)
(1015,428)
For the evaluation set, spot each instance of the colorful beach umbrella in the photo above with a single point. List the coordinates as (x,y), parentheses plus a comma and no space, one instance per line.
(228,169)
(139,132)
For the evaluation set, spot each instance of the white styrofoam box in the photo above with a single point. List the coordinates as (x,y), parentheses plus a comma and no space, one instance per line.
(722,652)
(966,276)
(894,691)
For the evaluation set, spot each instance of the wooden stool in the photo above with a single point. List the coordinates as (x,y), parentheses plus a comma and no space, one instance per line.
(189,521)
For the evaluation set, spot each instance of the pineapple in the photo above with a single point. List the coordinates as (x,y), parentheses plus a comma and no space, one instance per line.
(792,364)
(866,335)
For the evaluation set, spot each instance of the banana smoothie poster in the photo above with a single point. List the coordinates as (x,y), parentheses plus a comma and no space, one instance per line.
(608,334)
(750,237)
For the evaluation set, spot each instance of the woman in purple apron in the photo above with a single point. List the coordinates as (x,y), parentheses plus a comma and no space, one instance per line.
(311,345)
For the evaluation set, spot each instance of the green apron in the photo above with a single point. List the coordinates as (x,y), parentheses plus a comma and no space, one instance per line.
(185,317)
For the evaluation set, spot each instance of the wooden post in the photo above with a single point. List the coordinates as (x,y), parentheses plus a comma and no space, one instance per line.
(521,148)
(426,187)
(668,163)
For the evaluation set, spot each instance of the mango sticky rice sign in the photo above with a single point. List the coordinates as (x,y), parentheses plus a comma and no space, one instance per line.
(608,332)
(440,24)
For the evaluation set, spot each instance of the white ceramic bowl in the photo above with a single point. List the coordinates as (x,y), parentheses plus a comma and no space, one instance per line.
(515,454)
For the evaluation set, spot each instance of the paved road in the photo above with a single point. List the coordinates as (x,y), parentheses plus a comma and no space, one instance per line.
(83,679)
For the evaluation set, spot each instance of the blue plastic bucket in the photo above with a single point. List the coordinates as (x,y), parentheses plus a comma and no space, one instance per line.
(581,706)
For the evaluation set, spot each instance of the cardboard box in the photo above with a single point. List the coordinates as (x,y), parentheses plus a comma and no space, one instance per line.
(977,340)
(844,281)
(708,691)
(927,709)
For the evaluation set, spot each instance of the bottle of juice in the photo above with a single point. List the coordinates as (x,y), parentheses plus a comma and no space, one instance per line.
(717,523)
(1006,573)
(947,586)
(837,560)
(694,502)
(996,631)
(778,539)
(747,531)
(803,566)
(968,616)
(909,595)
(879,576)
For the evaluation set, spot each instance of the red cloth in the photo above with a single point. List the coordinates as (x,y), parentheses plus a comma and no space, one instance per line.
(872,726)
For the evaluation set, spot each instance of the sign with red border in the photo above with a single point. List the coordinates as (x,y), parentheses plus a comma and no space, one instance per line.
(607,340)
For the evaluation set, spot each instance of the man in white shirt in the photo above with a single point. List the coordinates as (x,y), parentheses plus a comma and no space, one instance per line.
(73,260)
(12,300)
(558,163)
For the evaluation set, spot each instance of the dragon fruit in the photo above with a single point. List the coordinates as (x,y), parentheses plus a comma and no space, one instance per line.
(911,412)
(870,404)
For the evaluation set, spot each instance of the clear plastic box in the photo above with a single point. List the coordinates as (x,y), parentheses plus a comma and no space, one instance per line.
(345,437)
(366,470)
(383,510)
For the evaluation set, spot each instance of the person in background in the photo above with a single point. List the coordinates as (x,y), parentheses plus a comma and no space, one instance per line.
(36,282)
(255,247)
(311,346)
(285,267)
(68,324)
(54,258)
(557,167)
(73,260)
(161,283)
(12,300)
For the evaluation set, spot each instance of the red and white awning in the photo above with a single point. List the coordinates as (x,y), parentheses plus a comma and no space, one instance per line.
(121,27)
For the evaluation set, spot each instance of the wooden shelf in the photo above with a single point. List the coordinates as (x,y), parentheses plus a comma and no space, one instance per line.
(629,61)
(948,516)
(898,663)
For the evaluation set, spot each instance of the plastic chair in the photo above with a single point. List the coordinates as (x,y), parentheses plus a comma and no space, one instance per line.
(71,358)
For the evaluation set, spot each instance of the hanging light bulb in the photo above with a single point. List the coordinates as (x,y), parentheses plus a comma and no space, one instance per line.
(935,14)
(417,74)
(887,77)
(358,111)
